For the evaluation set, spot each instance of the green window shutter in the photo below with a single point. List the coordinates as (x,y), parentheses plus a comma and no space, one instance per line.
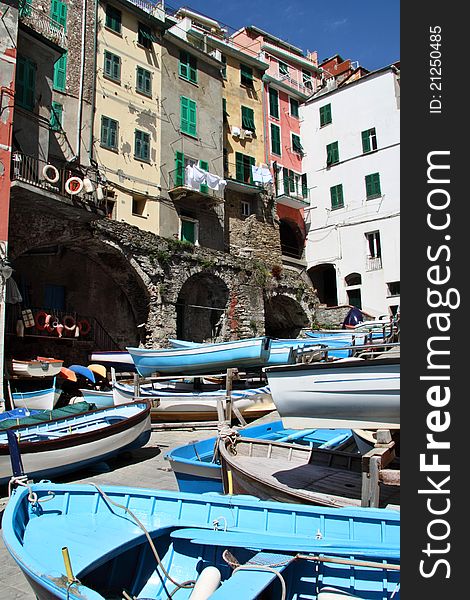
(112,66)
(294,108)
(273,103)
(224,68)
(332,154)
(248,119)
(60,73)
(285,176)
(337,200)
(283,68)
(188,231)
(239,169)
(188,66)
(325,115)
(59,13)
(179,169)
(304,185)
(251,163)
(291,181)
(109,132)
(246,75)
(144,81)
(56,116)
(113,18)
(296,145)
(205,167)
(373,185)
(142,145)
(275,139)
(188,116)
(25,82)
(25,8)
(365,141)
(184,116)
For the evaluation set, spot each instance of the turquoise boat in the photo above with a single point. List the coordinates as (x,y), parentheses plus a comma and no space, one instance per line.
(121,542)
(197,470)
(204,358)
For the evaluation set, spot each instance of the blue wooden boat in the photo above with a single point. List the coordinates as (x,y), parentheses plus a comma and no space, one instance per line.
(197,470)
(72,442)
(42,399)
(278,354)
(211,358)
(221,547)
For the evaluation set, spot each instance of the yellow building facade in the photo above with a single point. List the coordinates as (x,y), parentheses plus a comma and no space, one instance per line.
(127,116)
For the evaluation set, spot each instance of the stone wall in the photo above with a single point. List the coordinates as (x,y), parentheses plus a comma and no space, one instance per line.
(332,317)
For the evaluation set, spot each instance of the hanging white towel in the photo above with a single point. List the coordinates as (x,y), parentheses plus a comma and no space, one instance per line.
(222,184)
(213,181)
(189,177)
(266,175)
(199,175)
(236,131)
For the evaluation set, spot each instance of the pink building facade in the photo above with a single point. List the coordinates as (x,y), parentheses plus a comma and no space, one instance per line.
(290,79)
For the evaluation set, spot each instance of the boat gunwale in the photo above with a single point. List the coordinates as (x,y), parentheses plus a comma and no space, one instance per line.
(77,439)
(334,364)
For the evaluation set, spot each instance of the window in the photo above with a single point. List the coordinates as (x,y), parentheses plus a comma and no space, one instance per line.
(188,67)
(283,68)
(353,279)
(393,288)
(144,81)
(246,75)
(138,206)
(337,198)
(245,208)
(188,116)
(374,251)
(25,82)
(373,186)
(56,116)
(189,230)
(273,103)
(325,115)
(59,15)
(294,108)
(307,79)
(142,145)
(113,18)
(145,36)
(181,162)
(109,133)
(248,119)
(332,154)
(275,139)
(204,165)
(224,68)
(243,164)
(294,183)
(296,145)
(304,186)
(369,140)
(112,66)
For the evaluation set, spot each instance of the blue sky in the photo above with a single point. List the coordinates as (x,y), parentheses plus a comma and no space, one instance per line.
(367,31)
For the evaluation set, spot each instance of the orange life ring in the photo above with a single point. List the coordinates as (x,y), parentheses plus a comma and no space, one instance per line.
(40,320)
(84,327)
(69,323)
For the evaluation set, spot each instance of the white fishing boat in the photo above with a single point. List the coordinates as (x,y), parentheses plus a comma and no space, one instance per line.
(354,393)
(36,367)
(44,399)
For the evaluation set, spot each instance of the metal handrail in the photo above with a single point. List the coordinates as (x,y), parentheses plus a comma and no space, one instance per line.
(38,20)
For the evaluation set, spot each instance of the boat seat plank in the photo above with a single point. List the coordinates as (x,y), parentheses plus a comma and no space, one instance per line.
(260,541)
(109,534)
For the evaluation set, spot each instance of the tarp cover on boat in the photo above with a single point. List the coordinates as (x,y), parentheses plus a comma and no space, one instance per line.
(48,415)
(354,317)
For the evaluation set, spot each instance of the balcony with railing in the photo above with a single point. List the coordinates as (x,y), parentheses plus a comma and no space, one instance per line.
(155,10)
(33,15)
(181,187)
(36,181)
(240,177)
(292,190)
(373,263)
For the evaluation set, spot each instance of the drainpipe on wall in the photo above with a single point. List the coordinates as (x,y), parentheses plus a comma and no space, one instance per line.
(82,75)
(93,88)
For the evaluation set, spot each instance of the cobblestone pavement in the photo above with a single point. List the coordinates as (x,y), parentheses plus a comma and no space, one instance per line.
(145,467)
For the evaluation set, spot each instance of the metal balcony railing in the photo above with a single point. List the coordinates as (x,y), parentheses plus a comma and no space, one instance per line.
(304,88)
(177,179)
(243,174)
(34,17)
(154,9)
(373,263)
(30,170)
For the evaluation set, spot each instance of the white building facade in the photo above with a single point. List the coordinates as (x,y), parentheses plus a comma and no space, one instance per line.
(351,138)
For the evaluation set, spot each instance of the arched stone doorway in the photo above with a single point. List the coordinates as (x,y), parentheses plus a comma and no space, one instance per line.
(323,278)
(284,317)
(292,238)
(200,308)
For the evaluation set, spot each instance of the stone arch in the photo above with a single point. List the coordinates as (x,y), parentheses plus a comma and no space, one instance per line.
(284,317)
(292,238)
(200,308)
(323,278)
(98,279)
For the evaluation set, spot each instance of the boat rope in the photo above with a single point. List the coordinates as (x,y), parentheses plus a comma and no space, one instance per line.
(215,523)
(228,435)
(349,561)
(184,584)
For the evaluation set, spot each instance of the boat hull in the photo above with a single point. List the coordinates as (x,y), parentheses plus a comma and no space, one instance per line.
(115,431)
(36,368)
(37,400)
(359,394)
(101,538)
(213,358)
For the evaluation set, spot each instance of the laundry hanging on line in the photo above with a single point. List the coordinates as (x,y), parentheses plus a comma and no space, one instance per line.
(261,174)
